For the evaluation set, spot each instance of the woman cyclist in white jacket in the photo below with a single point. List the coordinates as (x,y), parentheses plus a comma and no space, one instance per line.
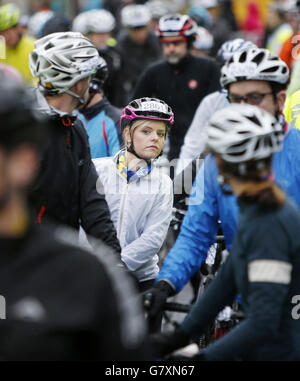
(139,195)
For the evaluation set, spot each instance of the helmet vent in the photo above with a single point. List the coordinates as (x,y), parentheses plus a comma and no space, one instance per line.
(243,57)
(270,70)
(49,46)
(254,120)
(259,58)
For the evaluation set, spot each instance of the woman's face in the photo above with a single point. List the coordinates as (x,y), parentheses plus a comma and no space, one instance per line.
(148,138)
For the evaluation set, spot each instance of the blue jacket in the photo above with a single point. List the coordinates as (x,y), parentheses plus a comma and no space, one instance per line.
(208,205)
(101,129)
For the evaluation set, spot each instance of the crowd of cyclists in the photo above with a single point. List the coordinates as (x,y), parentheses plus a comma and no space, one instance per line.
(91,111)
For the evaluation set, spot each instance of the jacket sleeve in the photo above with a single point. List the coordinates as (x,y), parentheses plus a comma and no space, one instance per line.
(148,244)
(94,211)
(195,138)
(220,293)
(269,271)
(112,138)
(198,230)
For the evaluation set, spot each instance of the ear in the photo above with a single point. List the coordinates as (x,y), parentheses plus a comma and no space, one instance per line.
(281,96)
(23,165)
(127,137)
(77,88)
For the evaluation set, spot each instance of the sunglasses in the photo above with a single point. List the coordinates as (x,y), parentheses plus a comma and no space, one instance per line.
(252,98)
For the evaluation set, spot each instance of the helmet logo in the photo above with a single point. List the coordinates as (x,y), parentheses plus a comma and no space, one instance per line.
(193,84)
(155,106)
(242,69)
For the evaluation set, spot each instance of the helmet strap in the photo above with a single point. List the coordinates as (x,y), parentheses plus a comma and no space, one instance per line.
(131,149)
(81,100)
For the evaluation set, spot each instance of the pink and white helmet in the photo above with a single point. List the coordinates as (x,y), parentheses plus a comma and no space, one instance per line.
(147,108)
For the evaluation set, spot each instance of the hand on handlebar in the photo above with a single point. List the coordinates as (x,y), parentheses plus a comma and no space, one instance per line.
(155,298)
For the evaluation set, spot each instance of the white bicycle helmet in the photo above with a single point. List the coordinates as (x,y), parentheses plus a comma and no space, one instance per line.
(135,16)
(240,133)
(176,25)
(205,3)
(37,21)
(60,60)
(254,64)
(230,47)
(158,8)
(204,39)
(94,21)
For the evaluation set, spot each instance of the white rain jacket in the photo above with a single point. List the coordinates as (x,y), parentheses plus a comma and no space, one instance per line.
(141,212)
(195,138)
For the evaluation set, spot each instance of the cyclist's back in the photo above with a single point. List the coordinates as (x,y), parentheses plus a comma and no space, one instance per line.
(50,317)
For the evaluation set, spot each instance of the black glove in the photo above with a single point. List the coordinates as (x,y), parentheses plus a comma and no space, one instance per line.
(168,342)
(156,297)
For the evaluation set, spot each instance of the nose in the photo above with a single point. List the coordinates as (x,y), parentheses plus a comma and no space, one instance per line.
(154,136)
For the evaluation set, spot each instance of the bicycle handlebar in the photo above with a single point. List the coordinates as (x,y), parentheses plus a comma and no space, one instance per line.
(177,307)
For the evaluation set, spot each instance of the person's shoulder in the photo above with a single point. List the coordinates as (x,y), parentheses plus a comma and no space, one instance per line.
(287,218)
(219,96)
(102,164)
(112,111)
(156,67)
(203,60)
(292,138)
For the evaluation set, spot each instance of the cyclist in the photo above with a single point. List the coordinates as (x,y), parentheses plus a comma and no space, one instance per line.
(137,45)
(65,189)
(256,77)
(61,302)
(264,262)
(179,75)
(194,141)
(158,9)
(139,195)
(18,46)
(37,21)
(98,25)
(100,118)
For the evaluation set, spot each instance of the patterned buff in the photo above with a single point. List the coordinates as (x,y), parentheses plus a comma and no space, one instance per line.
(126,173)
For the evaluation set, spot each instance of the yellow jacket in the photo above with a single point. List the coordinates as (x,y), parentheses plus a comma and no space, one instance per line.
(18,57)
(292,109)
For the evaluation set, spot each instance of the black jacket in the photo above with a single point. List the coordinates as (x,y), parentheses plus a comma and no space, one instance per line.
(65,190)
(182,87)
(64,303)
